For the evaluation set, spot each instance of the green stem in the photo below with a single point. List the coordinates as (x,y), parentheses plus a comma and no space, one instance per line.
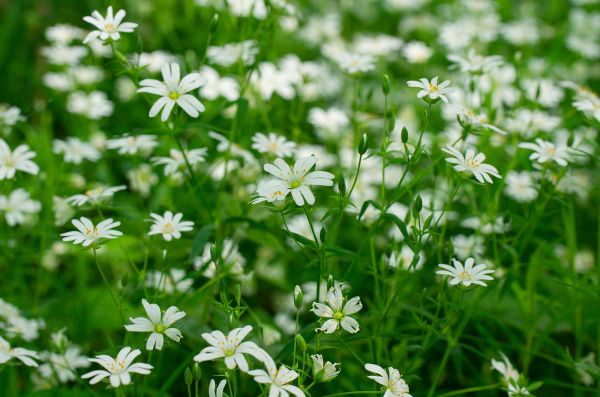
(114,299)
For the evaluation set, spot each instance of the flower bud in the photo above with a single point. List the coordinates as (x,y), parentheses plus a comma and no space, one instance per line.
(404,135)
(213,24)
(298,297)
(196,372)
(301,342)
(188,376)
(363,145)
(342,186)
(385,84)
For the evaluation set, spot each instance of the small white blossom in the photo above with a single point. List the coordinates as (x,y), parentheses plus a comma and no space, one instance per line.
(545,151)
(16,160)
(471,163)
(133,144)
(109,26)
(118,370)
(169,225)
(467,274)
(95,196)
(295,180)
(17,205)
(75,151)
(88,234)
(277,378)
(431,91)
(158,324)
(231,347)
(391,380)
(176,161)
(337,313)
(173,90)
(324,371)
(26,356)
(273,144)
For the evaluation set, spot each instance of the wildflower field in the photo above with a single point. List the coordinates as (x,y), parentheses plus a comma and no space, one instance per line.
(252,198)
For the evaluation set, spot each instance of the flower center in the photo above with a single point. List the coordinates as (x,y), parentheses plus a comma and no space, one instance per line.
(472,163)
(168,228)
(110,28)
(174,95)
(9,162)
(159,328)
(550,150)
(464,276)
(433,87)
(338,315)
(295,184)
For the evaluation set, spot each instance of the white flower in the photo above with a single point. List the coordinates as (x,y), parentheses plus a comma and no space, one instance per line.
(118,369)
(514,390)
(268,80)
(63,33)
(589,105)
(277,378)
(75,151)
(520,186)
(17,160)
(417,52)
(476,64)
(141,179)
(509,373)
(176,161)
(403,259)
(89,234)
(431,91)
(154,61)
(329,123)
(337,313)
(173,91)
(245,8)
(174,280)
(295,180)
(169,225)
(133,144)
(543,91)
(64,365)
(471,163)
(231,53)
(214,390)
(231,348)
(28,357)
(93,105)
(324,371)
(9,116)
(157,324)
(17,205)
(466,275)
(95,196)
(467,246)
(217,86)
(356,63)
(394,385)
(273,144)
(545,151)
(109,27)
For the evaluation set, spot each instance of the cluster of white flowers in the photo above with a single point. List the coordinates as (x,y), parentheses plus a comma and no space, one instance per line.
(156,159)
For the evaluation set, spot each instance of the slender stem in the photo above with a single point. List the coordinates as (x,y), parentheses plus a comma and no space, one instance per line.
(114,299)
(320,264)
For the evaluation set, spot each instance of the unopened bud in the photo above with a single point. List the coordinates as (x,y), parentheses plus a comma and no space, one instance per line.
(363,145)
(188,377)
(298,297)
(385,84)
